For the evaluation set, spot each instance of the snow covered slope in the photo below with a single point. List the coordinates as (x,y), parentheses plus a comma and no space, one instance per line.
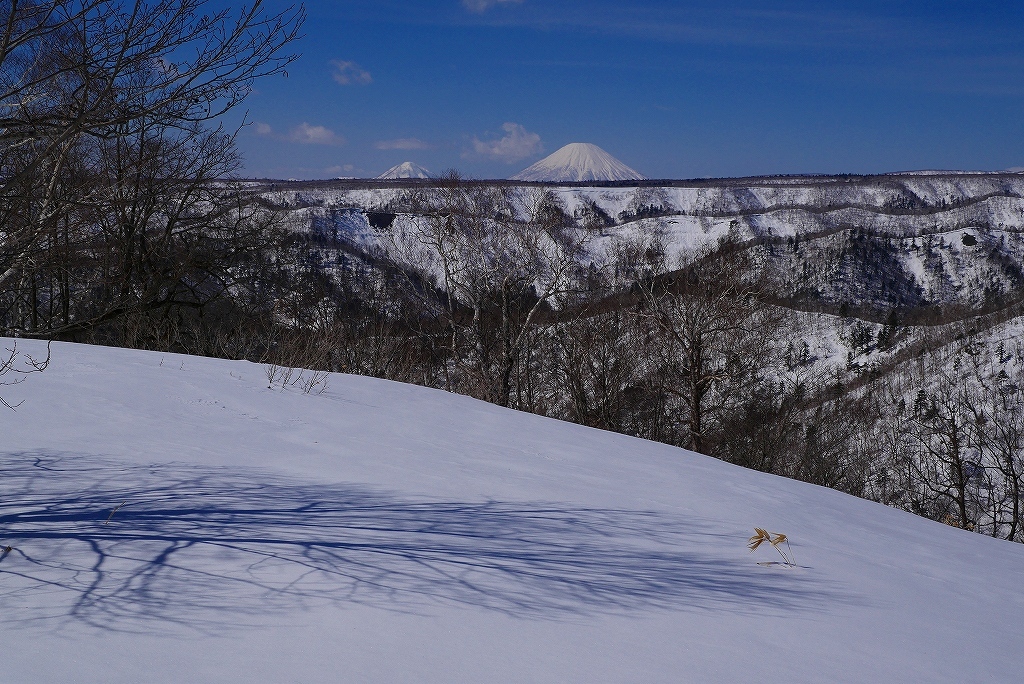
(381,532)
(405,170)
(576,163)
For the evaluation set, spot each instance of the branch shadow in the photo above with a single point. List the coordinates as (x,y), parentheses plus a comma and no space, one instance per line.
(206,547)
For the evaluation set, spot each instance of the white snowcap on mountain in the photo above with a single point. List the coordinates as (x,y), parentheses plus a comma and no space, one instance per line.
(578,162)
(405,170)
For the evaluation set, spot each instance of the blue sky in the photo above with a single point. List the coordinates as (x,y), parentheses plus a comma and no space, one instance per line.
(674,89)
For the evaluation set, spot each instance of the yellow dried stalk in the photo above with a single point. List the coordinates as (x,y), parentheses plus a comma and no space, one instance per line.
(758,539)
(775,540)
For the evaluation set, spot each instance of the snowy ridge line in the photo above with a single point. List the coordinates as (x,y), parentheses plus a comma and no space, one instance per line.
(743,213)
(722,201)
(868,208)
(988,315)
(779,181)
(873,209)
(824,233)
(934,340)
(924,316)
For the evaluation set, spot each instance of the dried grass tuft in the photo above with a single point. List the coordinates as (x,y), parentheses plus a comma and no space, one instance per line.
(776,540)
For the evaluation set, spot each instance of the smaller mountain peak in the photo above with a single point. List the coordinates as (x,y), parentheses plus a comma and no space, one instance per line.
(405,170)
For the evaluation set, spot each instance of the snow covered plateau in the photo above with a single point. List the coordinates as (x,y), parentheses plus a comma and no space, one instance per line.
(381,532)
(899,240)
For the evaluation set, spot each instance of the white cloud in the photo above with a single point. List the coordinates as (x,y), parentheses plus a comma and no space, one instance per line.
(350,73)
(402,144)
(484,5)
(305,134)
(339,169)
(517,144)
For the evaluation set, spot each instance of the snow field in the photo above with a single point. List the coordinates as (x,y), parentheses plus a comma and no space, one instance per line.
(381,532)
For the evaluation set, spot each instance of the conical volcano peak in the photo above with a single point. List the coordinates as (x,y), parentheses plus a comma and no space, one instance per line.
(578,162)
(405,170)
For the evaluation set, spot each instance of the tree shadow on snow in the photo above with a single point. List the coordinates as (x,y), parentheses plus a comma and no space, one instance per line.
(206,547)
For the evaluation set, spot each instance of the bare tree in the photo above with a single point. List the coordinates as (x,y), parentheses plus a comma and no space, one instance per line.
(998,435)
(714,329)
(599,362)
(108,154)
(940,465)
(487,264)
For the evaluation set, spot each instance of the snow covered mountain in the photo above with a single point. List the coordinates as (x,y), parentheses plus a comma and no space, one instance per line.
(406,534)
(576,163)
(405,170)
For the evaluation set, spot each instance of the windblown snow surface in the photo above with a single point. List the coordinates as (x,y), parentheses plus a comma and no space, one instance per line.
(577,163)
(381,532)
